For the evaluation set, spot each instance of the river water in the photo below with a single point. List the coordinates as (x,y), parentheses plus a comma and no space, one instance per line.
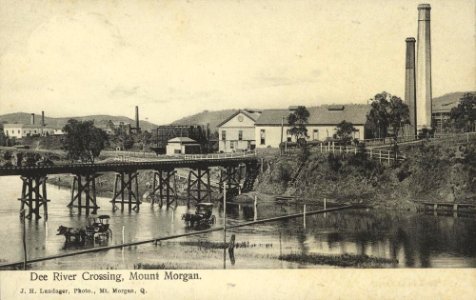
(415,240)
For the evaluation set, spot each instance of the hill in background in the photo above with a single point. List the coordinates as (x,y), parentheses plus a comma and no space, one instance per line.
(211,117)
(99,120)
(447,101)
(440,104)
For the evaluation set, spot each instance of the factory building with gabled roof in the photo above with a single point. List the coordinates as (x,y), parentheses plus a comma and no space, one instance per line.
(321,126)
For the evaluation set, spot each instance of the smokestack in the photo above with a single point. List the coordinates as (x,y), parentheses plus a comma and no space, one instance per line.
(42,118)
(32,120)
(137,118)
(410,87)
(423,69)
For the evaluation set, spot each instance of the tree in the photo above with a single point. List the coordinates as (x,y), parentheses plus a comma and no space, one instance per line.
(83,140)
(378,116)
(298,120)
(399,115)
(344,131)
(145,138)
(463,116)
(387,111)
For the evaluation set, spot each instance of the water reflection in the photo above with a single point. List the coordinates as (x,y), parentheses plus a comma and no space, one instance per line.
(415,240)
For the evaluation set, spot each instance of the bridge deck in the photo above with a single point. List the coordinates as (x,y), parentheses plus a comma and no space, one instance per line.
(85,168)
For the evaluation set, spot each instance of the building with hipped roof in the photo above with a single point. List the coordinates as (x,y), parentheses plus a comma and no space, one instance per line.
(321,126)
(182,145)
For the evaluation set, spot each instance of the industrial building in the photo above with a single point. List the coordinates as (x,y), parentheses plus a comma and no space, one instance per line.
(19,130)
(272,128)
(237,132)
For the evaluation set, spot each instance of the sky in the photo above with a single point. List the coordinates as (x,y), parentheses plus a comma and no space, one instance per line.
(176,58)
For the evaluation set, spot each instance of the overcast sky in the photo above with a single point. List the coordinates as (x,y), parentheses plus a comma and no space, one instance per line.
(176,58)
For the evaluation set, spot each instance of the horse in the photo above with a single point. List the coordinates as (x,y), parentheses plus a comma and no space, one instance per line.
(72,234)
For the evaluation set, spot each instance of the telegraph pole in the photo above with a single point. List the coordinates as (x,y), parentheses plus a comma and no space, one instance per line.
(22,219)
(224,225)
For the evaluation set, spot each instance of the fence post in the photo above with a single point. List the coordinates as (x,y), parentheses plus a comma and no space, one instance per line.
(355,150)
(325,207)
(380,155)
(255,212)
(321,147)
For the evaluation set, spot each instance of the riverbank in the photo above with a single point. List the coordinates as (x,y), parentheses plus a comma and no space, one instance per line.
(430,173)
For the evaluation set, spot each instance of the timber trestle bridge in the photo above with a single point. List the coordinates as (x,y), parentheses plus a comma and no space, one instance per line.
(237,172)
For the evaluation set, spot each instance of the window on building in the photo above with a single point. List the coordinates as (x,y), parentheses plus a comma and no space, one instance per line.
(315,134)
(357,134)
(240,135)
(223,135)
(18,131)
(232,144)
(262,135)
(289,139)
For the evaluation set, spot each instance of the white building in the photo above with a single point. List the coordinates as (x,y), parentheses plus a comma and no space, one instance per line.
(24,130)
(237,132)
(182,145)
(322,124)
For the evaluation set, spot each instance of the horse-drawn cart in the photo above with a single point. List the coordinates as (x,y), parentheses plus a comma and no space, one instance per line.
(98,230)
(202,216)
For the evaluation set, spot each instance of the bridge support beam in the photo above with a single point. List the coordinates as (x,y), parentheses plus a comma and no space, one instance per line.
(165,186)
(126,191)
(198,186)
(252,170)
(33,196)
(84,184)
(231,176)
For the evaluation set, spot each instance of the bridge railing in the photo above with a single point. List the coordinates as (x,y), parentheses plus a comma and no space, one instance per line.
(121,157)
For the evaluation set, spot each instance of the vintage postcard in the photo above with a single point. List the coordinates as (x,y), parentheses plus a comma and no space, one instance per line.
(237,149)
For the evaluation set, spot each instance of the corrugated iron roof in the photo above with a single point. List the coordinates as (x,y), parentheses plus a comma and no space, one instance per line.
(181,139)
(320,115)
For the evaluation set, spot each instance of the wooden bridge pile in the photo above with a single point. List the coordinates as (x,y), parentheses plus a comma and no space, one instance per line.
(238,173)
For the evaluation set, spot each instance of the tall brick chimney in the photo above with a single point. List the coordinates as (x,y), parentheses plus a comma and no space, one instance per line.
(423,68)
(32,119)
(42,118)
(410,86)
(137,119)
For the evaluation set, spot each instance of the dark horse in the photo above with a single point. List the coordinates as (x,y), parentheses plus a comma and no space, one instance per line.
(72,234)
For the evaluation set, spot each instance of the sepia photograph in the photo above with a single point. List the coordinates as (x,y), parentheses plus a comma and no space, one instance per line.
(159,140)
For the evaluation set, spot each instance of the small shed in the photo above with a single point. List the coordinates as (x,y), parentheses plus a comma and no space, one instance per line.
(182,145)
